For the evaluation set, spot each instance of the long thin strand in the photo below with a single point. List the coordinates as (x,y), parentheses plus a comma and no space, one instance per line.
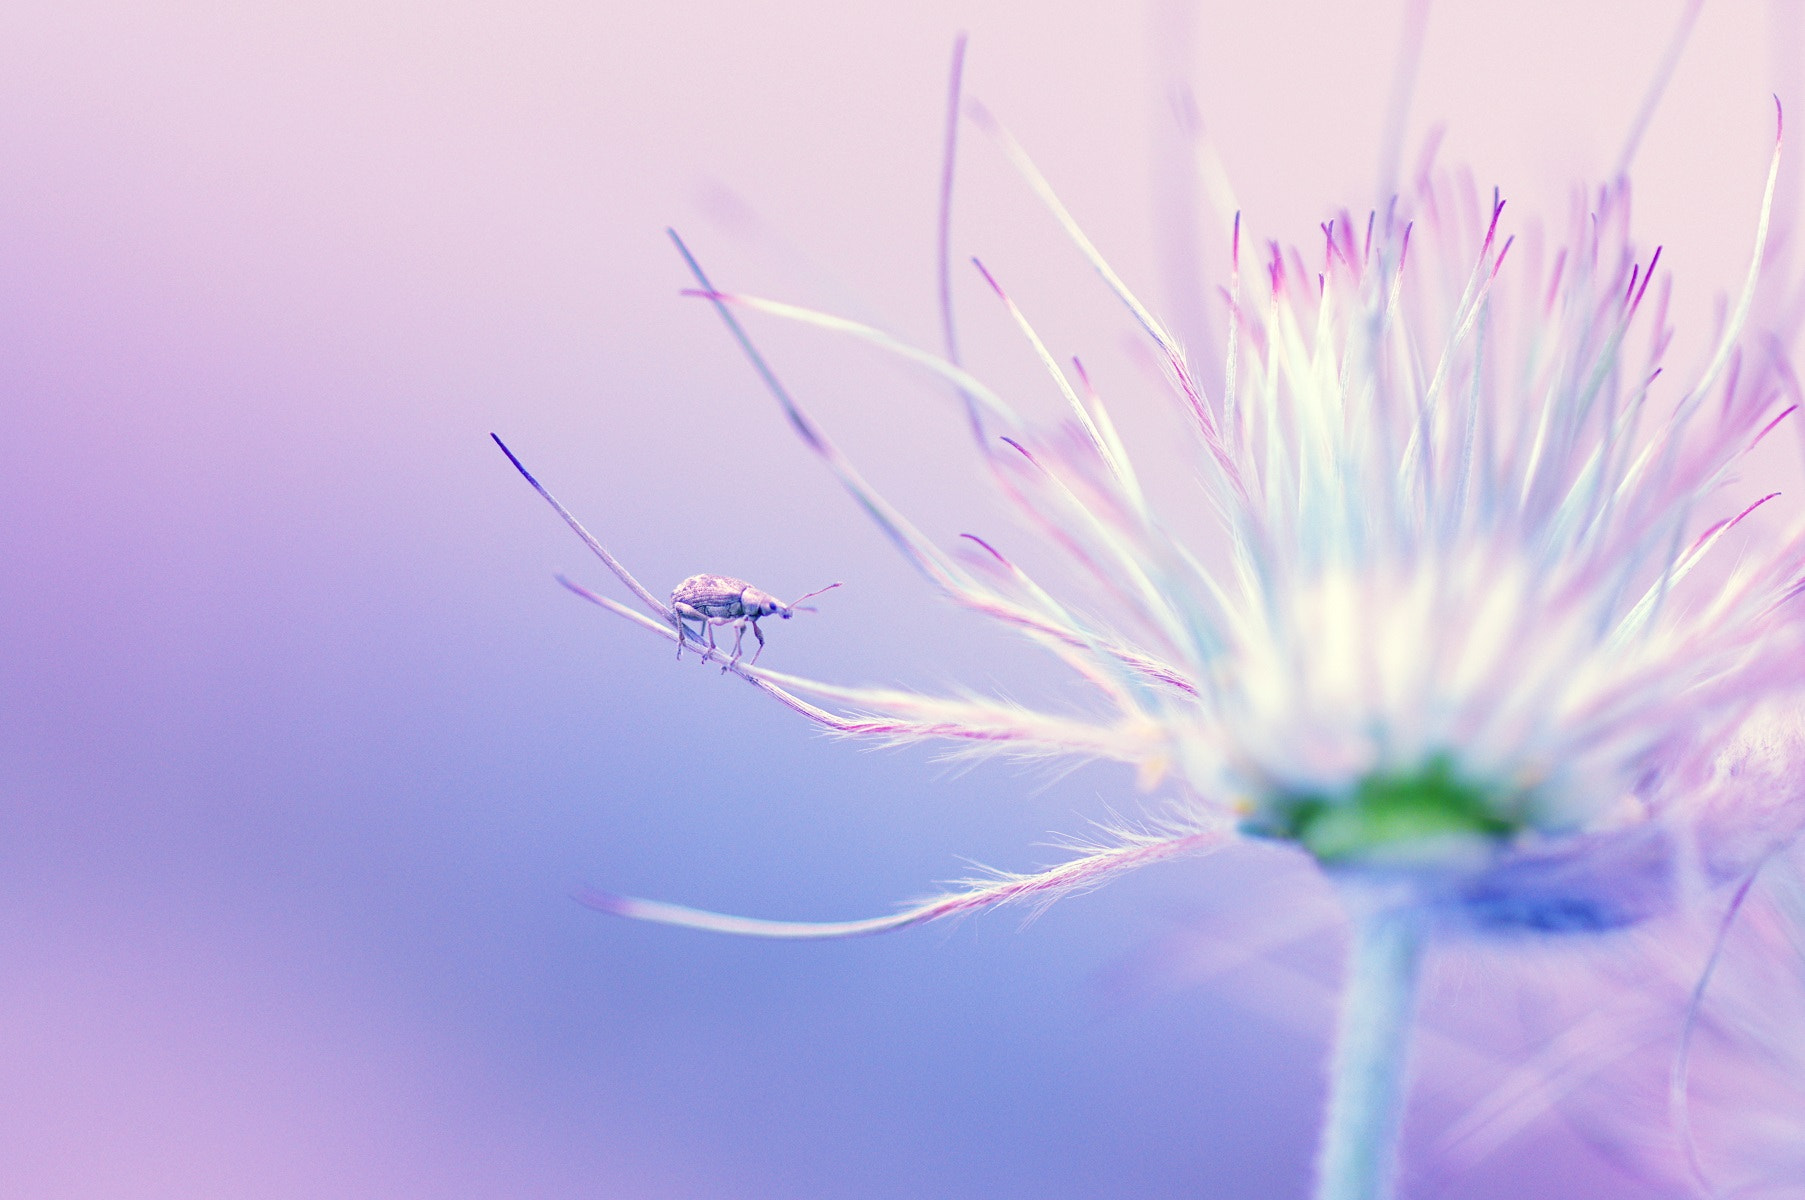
(1678,1100)
(1657,86)
(1397,107)
(949,158)
(1078,874)
(613,564)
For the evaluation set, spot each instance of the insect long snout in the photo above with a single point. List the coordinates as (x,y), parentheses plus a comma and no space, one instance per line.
(757,604)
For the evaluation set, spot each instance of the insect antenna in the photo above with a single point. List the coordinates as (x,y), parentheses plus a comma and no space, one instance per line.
(798,607)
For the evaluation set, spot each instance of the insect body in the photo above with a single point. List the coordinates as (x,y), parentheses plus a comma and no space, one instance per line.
(716,600)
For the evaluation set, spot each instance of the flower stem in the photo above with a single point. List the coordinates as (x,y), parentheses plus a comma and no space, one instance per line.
(1358,1157)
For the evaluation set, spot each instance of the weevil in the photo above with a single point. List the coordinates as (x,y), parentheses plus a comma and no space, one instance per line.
(716,600)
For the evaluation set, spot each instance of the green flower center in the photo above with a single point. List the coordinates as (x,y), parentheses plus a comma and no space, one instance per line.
(1395,816)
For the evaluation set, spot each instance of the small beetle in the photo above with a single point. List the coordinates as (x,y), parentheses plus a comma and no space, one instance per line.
(722,600)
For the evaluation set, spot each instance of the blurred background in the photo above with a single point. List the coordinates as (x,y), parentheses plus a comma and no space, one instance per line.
(303,752)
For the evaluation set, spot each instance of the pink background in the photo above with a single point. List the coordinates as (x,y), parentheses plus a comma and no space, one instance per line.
(302,751)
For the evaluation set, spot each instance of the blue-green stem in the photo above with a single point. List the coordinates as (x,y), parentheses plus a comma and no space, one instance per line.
(1358,1157)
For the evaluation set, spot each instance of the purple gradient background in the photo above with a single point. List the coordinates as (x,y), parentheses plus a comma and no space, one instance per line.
(302,749)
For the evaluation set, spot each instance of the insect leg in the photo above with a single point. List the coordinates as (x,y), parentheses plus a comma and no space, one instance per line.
(684,615)
(759,634)
(739,635)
